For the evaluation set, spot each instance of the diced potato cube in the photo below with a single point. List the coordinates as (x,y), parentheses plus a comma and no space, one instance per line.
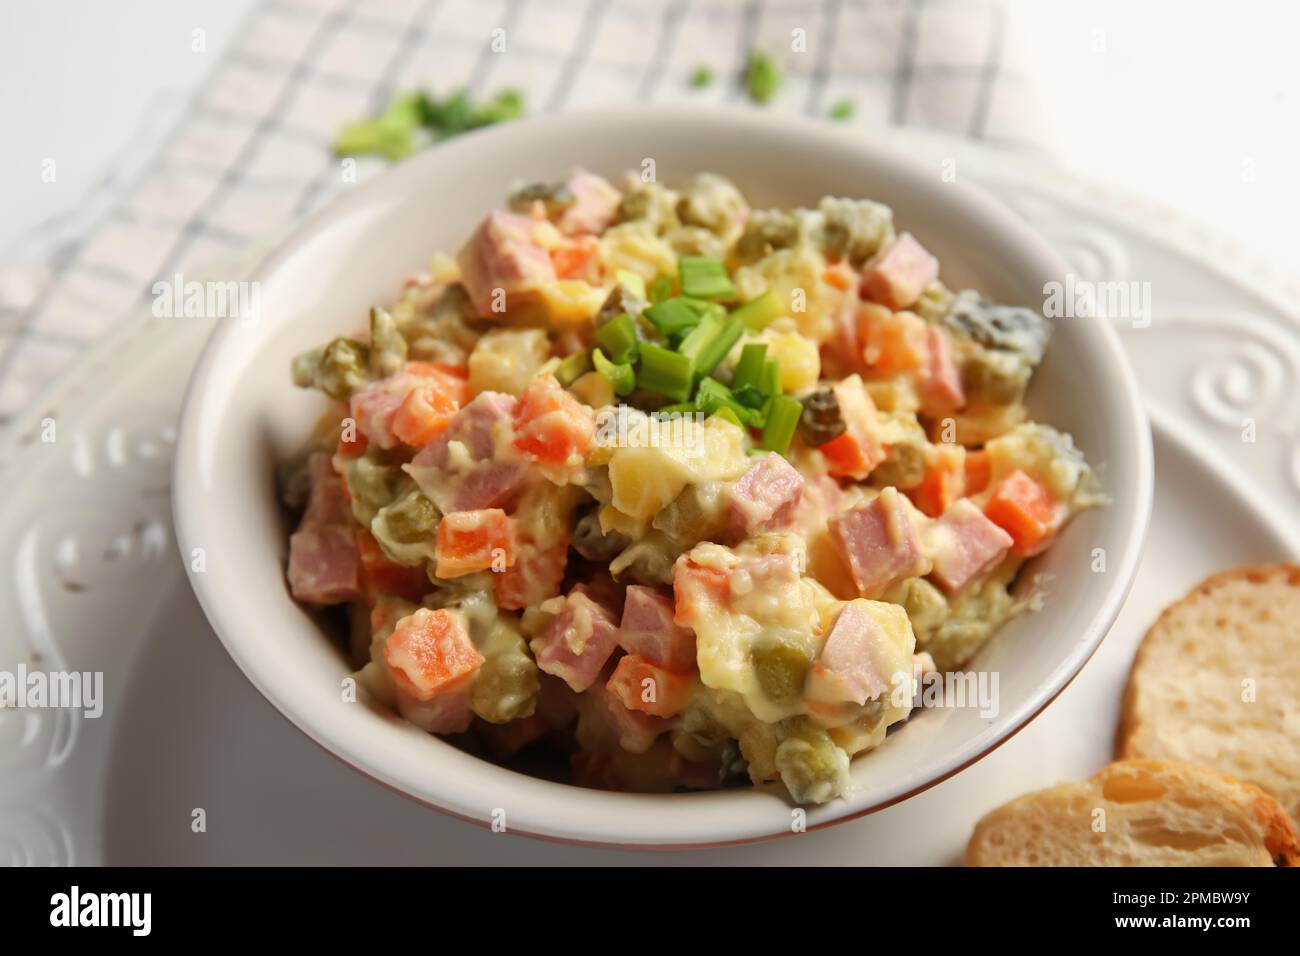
(505,360)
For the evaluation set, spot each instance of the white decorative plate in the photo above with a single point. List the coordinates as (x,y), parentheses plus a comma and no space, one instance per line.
(90,581)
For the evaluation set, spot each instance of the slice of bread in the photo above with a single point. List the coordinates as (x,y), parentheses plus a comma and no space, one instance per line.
(1139,813)
(1216,682)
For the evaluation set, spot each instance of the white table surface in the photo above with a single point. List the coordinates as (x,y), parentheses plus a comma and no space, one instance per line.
(1195,103)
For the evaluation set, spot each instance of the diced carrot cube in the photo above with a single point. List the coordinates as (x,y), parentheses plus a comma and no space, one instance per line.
(430,653)
(944,480)
(423,415)
(978,471)
(840,276)
(894,342)
(470,541)
(452,380)
(353,442)
(381,575)
(648,688)
(858,450)
(1026,510)
(577,258)
(551,426)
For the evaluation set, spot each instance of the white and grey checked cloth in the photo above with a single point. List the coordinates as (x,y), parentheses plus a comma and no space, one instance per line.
(251,151)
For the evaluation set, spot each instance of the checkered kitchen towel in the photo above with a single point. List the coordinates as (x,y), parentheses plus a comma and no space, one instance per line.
(251,152)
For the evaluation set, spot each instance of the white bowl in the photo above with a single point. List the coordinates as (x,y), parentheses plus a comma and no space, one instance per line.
(242,415)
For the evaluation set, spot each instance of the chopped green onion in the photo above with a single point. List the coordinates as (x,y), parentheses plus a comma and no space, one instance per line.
(633,282)
(701,77)
(771,384)
(618,338)
(572,367)
(751,396)
(710,341)
(782,419)
(672,317)
(704,278)
(665,371)
(843,110)
(681,408)
(661,289)
(713,395)
(762,76)
(749,370)
(758,313)
(620,376)
(729,415)
(375,137)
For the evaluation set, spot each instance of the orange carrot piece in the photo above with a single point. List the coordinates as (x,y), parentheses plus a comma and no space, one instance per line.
(430,653)
(978,470)
(944,480)
(423,415)
(1024,509)
(470,541)
(648,688)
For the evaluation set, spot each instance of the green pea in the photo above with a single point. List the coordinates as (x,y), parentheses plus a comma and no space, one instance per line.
(411,520)
(343,368)
(781,666)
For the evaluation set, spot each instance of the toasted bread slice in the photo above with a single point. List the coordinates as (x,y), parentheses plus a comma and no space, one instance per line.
(1139,813)
(1216,682)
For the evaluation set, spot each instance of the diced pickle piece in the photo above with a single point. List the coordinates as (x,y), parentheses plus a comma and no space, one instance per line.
(411,519)
(995,377)
(593,543)
(1003,327)
(340,369)
(903,467)
(699,513)
(507,684)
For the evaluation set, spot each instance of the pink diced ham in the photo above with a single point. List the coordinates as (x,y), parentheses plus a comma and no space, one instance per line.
(447,713)
(327,503)
(941,391)
(577,641)
(764,498)
(324,564)
(879,542)
(595,204)
(899,273)
(502,254)
(648,629)
(634,731)
(852,663)
(477,479)
(535,576)
(963,544)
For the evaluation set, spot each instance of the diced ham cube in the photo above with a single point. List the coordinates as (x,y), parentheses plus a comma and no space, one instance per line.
(447,713)
(963,544)
(502,254)
(470,541)
(460,469)
(880,543)
(328,502)
(852,665)
(648,630)
(606,718)
(324,565)
(551,426)
(595,204)
(430,653)
(941,391)
(644,686)
(899,273)
(535,576)
(764,498)
(577,641)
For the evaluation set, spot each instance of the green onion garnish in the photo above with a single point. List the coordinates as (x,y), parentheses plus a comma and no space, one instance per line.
(758,313)
(618,338)
(782,419)
(762,76)
(665,371)
(704,278)
(713,395)
(680,408)
(729,415)
(661,289)
(771,383)
(749,370)
(710,341)
(573,367)
(620,376)
(672,317)
(633,282)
